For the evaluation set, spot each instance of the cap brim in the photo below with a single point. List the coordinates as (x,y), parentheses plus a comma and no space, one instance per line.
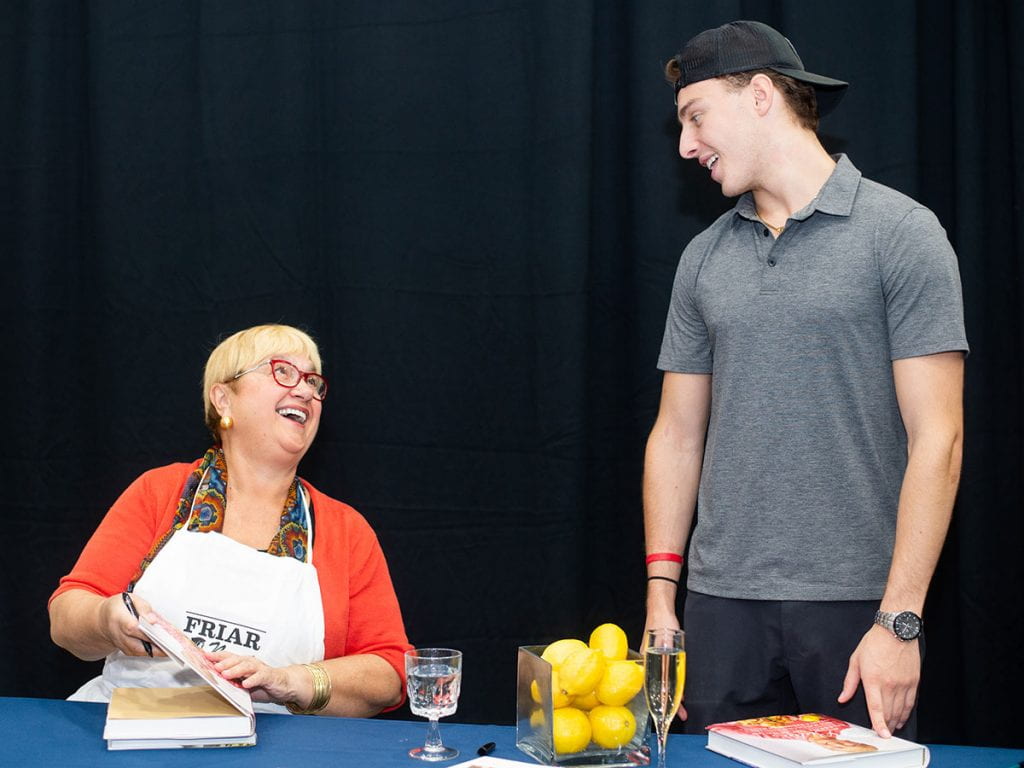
(828,90)
(818,81)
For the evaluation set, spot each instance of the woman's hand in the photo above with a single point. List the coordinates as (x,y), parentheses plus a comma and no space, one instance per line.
(361,685)
(121,629)
(265,683)
(92,626)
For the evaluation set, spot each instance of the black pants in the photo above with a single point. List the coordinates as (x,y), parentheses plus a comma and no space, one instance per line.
(752,658)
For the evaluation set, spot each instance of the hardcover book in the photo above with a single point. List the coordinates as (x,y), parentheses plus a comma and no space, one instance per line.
(218,714)
(791,741)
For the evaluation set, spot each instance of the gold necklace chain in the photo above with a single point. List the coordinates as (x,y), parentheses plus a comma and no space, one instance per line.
(777,230)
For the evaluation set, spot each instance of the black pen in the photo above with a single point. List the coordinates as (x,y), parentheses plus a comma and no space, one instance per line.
(126,596)
(486,749)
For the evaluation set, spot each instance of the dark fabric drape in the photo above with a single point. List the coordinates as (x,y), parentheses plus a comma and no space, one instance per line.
(476,207)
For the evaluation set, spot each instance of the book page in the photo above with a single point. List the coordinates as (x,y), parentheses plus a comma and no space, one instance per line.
(175,644)
(167,703)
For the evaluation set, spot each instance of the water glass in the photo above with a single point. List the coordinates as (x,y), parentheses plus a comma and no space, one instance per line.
(433,680)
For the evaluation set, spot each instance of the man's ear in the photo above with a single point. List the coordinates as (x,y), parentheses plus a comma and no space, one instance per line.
(763,91)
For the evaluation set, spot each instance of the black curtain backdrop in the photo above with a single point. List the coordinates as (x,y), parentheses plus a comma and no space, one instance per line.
(476,207)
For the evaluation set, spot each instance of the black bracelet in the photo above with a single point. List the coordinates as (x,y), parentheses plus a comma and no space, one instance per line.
(664,578)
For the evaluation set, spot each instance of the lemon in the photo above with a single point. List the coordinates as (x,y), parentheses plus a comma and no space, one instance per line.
(610,640)
(587,701)
(537,720)
(622,681)
(571,730)
(581,671)
(612,727)
(557,652)
(559,698)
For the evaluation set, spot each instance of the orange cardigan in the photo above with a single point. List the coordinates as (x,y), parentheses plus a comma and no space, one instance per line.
(361,613)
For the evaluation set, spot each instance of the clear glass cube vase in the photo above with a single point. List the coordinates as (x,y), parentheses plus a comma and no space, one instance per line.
(534,718)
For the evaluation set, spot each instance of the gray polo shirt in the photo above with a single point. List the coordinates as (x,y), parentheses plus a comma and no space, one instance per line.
(805,449)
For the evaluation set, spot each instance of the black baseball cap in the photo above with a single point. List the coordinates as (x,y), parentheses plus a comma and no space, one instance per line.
(741,46)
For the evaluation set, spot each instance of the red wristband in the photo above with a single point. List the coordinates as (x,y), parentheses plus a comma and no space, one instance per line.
(672,557)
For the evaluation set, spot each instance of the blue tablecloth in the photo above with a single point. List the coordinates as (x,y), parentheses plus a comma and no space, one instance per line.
(52,733)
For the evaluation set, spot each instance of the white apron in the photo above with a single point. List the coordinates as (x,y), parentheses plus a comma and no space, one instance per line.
(224,596)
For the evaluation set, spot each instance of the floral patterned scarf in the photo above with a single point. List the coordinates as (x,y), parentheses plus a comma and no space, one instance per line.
(209,499)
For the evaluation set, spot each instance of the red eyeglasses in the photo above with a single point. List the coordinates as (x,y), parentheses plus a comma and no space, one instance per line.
(288,376)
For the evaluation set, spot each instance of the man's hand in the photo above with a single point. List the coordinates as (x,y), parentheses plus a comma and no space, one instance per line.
(660,619)
(889,669)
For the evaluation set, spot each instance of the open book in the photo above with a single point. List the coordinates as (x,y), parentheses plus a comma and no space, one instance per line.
(793,741)
(219,714)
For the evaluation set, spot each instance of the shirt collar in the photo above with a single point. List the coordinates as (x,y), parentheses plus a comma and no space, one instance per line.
(835,197)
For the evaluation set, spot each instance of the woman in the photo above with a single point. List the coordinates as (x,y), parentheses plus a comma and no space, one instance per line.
(255,565)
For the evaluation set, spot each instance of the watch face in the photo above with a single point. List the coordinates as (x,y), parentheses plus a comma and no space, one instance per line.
(906,625)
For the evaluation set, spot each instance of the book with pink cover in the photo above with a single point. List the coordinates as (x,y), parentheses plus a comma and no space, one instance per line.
(791,741)
(214,715)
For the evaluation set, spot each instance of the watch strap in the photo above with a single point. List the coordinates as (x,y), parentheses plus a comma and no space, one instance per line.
(887,619)
(884,619)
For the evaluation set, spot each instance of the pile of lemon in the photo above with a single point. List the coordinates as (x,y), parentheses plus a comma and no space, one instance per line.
(591,684)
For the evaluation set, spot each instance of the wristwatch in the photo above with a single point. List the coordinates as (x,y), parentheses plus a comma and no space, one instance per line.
(906,625)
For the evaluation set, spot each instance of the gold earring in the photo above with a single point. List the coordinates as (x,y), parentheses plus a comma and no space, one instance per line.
(226,422)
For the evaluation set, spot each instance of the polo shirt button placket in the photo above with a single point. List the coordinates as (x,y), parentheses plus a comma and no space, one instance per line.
(771,279)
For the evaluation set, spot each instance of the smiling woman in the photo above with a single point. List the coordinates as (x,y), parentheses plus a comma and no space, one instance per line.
(248,351)
(195,545)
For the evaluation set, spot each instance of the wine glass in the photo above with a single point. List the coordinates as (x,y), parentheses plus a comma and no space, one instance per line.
(433,679)
(664,677)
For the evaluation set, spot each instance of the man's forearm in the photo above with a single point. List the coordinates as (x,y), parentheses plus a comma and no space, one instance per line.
(672,468)
(671,476)
(925,508)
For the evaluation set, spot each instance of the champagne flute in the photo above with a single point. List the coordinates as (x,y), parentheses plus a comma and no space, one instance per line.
(664,677)
(433,679)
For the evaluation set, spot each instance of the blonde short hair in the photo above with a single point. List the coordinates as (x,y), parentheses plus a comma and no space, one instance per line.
(247,348)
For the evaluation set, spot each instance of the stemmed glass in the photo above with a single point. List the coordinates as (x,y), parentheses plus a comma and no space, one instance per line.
(433,679)
(664,678)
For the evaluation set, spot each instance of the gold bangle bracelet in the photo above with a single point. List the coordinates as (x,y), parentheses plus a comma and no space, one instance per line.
(321,692)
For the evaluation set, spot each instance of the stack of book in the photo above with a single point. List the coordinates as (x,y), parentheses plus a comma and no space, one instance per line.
(219,714)
(164,718)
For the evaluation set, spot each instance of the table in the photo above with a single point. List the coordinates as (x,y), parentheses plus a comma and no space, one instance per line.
(48,732)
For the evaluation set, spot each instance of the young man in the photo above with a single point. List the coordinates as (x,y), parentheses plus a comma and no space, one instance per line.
(811,407)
